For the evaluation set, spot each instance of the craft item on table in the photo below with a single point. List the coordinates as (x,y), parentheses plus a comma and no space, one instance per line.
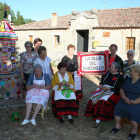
(15,116)
(66,91)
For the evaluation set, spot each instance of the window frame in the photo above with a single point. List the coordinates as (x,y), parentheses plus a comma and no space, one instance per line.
(57,39)
(130,43)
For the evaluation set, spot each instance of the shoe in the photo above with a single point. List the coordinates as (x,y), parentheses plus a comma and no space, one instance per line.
(71,121)
(95,124)
(132,136)
(115,130)
(61,121)
(25,122)
(33,122)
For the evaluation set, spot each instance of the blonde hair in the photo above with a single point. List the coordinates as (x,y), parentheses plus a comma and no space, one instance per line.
(136,68)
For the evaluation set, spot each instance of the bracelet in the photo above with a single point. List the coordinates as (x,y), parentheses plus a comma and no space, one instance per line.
(133,103)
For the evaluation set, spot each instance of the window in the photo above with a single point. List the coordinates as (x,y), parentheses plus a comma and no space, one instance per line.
(31,38)
(130,43)
(57,39)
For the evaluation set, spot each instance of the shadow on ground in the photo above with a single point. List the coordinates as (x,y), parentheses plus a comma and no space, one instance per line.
(49,127)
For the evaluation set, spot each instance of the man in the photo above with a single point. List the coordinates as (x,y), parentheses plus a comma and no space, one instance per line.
(37,44)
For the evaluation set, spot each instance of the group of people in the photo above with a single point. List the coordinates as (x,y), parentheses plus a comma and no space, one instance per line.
(117,94)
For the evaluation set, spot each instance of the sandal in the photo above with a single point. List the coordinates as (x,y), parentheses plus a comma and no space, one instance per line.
(115,130)
(132,136)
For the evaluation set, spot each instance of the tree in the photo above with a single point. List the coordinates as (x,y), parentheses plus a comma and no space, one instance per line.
(18,19)
(2,6)
(28,20)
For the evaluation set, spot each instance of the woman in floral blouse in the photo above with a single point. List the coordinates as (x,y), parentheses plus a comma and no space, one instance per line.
(26,61)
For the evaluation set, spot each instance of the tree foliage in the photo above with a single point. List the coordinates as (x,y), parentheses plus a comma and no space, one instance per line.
(18,19)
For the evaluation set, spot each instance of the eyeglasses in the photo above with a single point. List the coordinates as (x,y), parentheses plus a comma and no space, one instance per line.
(130,54)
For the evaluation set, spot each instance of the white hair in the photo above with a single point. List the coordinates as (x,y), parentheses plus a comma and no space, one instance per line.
(130,50)
(38,66)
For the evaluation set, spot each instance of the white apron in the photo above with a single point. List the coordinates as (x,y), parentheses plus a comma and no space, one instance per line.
(38,96)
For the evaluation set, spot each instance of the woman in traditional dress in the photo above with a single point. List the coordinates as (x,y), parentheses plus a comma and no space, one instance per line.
(128,63)
(72,63)
(64,102)
(113,57)
(44,61)
(102,102)
(38,86)
(26,61)
(129,103)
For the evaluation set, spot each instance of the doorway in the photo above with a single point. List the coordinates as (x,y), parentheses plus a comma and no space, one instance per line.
(82,40)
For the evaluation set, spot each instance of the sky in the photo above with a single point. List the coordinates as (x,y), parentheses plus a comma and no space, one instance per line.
(42,9)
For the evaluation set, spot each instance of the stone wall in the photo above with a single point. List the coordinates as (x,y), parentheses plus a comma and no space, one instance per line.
(69,36)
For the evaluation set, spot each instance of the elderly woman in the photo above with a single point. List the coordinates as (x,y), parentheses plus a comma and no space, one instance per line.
(26,61)
(129,103)
(72,63)
(128,63)
(102,102)
(64,101)
(44,61)
(113,57)
(38,87)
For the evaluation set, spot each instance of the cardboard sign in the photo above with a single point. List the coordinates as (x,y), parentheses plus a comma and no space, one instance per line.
(95,63)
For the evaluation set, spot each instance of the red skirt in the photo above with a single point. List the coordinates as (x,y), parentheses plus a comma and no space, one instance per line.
(103,110)
(64,107)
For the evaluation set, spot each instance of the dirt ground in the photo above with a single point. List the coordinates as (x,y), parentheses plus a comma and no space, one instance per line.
(49,127)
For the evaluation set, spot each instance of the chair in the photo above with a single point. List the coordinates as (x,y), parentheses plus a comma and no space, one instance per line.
(125,120)
(42,110)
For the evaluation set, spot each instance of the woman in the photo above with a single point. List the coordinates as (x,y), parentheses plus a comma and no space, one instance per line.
(102,108)
(129,103)
(72,63)
(113,57)
(37,44)
(44,61)
(128,63)
(38,87)
(26,61)
(62,104)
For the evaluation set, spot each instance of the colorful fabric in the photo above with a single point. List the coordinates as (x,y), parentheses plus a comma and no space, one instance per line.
(66,91)
(6,32)
(96,96)
(28,60)
(103,110)
(126,68)
(64,107)
(38,96)
(11,87)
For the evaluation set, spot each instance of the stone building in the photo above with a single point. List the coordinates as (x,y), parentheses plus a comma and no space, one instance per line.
(92,30)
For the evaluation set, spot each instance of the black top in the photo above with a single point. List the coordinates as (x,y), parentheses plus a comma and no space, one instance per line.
(114,80)
(33,49)
(72,63)
(118,60)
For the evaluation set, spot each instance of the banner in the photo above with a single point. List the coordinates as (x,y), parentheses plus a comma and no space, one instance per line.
(93,63)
